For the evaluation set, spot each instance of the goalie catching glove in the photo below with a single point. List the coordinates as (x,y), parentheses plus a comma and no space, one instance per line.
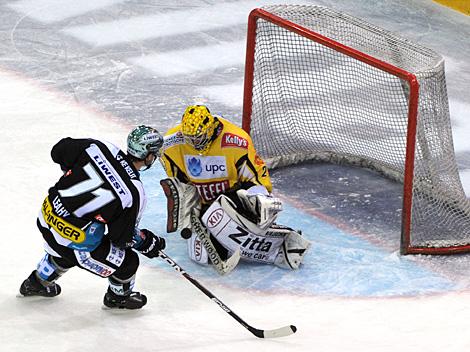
(147,243)
(261,204)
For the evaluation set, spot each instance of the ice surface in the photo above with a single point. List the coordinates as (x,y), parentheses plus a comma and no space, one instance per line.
(82,69)
(186,61)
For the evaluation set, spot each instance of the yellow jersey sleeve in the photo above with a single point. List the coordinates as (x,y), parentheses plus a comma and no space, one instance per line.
(172,147)
(251,168)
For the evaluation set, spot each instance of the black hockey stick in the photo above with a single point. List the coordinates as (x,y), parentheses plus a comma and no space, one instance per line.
(284,331)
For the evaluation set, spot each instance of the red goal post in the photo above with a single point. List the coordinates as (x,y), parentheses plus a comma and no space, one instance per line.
(322,85)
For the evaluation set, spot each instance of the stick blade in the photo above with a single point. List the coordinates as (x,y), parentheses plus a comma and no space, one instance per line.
(269,334)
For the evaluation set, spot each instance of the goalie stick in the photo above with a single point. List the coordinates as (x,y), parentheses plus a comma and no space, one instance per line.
(222,267)
(284,331)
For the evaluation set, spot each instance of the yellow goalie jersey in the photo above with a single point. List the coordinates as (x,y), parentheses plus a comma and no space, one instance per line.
(230,160)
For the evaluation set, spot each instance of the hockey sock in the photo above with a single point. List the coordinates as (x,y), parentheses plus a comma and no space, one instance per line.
(48,270)
(121,287)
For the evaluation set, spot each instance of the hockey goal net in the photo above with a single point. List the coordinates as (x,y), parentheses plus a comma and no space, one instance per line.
(322,85)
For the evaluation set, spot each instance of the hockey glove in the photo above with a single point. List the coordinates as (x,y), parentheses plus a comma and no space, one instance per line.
(147,243)
(263,205)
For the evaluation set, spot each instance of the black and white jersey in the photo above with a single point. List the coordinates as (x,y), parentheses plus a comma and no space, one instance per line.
(100,183)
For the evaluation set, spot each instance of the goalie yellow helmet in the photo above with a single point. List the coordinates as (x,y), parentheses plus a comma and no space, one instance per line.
(198,127)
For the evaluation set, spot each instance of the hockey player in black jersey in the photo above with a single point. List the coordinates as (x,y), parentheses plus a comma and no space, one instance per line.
(90,217)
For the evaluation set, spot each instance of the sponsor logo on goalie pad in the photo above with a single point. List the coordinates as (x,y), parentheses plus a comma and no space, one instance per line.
(215,218)
(260,248)
(197,249)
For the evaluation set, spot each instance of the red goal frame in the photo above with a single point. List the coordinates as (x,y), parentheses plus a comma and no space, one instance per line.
(413,83)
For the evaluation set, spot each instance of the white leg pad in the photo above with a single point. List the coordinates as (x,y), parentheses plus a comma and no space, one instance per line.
(196,250)
(292,252)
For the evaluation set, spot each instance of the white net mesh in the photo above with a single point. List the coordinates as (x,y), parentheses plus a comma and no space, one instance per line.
(310,101)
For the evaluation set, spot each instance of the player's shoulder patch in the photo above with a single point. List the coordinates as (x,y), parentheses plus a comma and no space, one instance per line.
(258,160)
(232,140)
(173,139)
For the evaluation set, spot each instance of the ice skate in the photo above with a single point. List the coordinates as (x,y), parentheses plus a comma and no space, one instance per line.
(32,286)
(135,300)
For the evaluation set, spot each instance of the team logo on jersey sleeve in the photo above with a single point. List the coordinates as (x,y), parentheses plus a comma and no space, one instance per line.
(232,140)
(258,160)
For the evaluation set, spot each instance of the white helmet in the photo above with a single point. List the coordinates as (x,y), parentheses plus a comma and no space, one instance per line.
(144,140)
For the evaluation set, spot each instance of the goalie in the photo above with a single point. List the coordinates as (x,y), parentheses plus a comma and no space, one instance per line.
(218,195)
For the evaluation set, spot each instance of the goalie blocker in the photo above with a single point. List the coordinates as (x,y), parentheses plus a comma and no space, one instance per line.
(181,199)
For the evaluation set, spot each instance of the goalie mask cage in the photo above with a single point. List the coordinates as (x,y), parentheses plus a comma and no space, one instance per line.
(322,85)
